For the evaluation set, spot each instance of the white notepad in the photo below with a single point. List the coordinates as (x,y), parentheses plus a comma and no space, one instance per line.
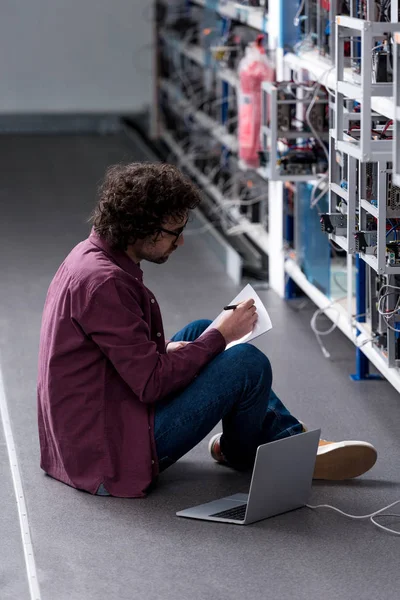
(263,324)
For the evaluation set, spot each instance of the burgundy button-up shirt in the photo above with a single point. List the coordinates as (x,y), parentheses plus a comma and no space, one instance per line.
(102,368)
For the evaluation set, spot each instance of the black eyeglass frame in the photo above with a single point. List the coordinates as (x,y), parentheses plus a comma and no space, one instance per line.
(177,234)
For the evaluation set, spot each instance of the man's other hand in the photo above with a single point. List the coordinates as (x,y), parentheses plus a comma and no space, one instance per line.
(172,346)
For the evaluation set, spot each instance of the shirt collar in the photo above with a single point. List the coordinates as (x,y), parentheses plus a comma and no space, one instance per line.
(120,257)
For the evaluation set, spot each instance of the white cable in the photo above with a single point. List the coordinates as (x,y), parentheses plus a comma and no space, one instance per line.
(189,90)
(377,513)
(388,314)
(321,178)
(239,202)
(308,111)
(319,333)
(195,106)
(296,19)
(314,202)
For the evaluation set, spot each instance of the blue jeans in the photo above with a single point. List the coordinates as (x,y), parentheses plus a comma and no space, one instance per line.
(235,387)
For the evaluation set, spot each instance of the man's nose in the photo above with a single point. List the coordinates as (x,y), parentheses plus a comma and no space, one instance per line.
(180,241)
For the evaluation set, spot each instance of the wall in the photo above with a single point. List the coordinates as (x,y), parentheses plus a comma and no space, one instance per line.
(75,56)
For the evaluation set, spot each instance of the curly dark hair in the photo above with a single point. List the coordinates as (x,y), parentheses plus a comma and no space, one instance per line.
(137,198)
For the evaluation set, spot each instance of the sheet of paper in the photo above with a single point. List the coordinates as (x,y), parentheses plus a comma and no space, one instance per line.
(263,324)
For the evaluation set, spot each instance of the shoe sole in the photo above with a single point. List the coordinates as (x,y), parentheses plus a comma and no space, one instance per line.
(211,442)
(344,460)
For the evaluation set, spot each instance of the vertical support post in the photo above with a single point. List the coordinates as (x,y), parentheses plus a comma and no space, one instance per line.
(332,25)
(394,15)
(333,173)
(224,103)
(289,32)
(382,199)
(362,195)
(276,255)
(349,265)
(339,59)
(224,117)
(275,188)
(225,95)
(351,203)
(290,286)
(396,139)
(273,135)
(319,32)
(154,130)
(391,335)
(366,83)
(371,10)
(362,363)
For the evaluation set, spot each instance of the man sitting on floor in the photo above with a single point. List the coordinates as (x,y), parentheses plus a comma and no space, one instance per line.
(117,404)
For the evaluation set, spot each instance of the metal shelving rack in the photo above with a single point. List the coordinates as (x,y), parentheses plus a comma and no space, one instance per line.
(348,87)
(367,35)
(396,111)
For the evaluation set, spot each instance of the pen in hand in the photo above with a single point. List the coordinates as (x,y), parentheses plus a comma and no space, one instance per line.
(239,323)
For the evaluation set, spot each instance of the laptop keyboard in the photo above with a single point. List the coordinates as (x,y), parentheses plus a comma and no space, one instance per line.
(237,513)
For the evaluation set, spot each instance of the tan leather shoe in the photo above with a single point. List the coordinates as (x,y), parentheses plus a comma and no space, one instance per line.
(343,460)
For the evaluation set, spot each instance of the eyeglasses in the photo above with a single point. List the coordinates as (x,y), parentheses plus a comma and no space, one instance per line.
(176,233)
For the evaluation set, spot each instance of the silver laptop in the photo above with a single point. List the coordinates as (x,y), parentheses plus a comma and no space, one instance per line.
(281,481)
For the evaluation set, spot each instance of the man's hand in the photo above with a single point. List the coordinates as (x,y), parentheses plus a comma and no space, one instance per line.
(235,324)
(172,346)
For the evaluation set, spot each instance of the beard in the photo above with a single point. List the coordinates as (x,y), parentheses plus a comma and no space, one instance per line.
(160,260)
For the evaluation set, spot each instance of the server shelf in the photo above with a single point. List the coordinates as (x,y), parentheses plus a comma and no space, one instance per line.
(327,155)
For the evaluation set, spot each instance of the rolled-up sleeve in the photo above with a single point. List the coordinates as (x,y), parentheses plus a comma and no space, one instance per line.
(114,320)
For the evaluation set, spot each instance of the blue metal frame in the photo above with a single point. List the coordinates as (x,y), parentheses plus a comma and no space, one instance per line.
(225,86)
(290,286)
(289,34)
(362,363)
(225,95)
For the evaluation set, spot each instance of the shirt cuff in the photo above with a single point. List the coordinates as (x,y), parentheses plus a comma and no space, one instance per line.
(215,341)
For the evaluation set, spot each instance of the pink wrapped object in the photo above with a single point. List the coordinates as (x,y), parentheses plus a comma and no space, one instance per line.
(254,68)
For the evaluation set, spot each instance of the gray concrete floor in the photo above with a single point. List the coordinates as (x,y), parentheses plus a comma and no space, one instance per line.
(90,547)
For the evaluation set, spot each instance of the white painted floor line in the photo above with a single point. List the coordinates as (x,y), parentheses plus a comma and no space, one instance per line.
(19,493)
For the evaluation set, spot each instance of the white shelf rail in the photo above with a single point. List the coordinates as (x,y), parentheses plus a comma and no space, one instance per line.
(339,315)
(255,231)
(252,16)
(217,130)
(324,71)
(195,53)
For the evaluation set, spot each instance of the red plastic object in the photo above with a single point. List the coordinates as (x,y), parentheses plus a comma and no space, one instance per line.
(254,68)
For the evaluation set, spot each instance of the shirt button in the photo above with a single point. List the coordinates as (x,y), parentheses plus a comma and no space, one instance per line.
(152,300)
(158,334)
